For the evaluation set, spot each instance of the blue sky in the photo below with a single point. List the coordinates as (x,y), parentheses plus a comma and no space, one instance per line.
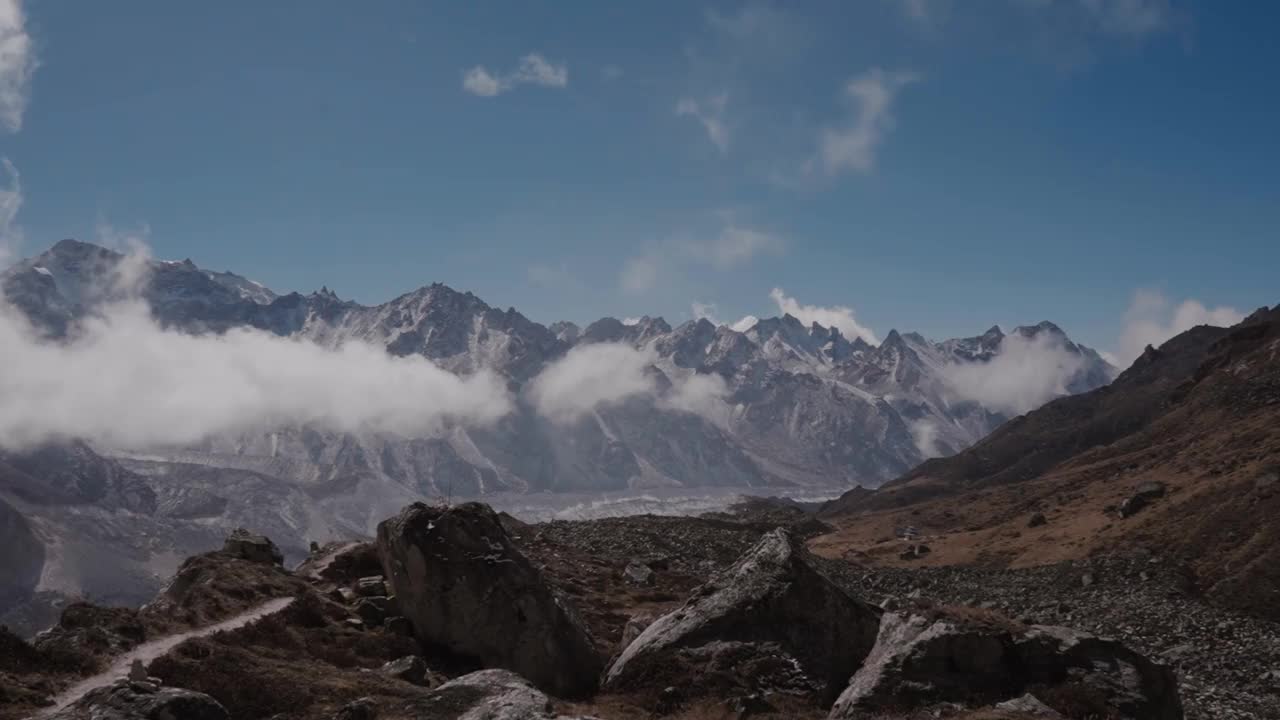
(933,165)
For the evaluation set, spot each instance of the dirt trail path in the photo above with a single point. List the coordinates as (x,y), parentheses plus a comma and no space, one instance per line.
(154,649)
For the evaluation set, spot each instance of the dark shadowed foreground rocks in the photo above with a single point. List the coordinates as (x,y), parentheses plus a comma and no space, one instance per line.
(469,590)
(770,622)
(127,700)
(978,659)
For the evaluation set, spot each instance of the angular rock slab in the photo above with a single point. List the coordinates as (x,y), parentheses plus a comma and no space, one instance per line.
(920,661)
(772,600)
(468,589)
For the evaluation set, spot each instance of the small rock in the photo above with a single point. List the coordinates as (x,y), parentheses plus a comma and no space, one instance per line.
(1030,705)
(668,701)
(744,706)
(1037,520)
(137,672)
(409,668)
(1087,579)
(638,574)
(635,625)
(399,625)
(371,586)
(371,611)
(362,709)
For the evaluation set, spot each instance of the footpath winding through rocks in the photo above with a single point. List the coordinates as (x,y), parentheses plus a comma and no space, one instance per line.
(149,651)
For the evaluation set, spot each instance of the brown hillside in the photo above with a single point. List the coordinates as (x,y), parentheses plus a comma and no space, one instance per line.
(1200,417)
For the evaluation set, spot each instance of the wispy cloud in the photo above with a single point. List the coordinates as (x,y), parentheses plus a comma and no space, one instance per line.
(549,276)
(640,273)
(10,203)
(840,317)
(710,113)
(759,25)
(853,146)
(600,375)
(734,245)
(705,311)
(534,69)
(1025,374)
(182,388)
(17,64)
(1152,318)
(1131,17)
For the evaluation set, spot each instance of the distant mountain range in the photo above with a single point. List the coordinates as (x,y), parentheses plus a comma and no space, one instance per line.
(801,408)
(805,405)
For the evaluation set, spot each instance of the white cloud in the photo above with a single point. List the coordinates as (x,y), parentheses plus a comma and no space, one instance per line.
(125,382)
(546,275)
(17,64)
(1152,319)
(853,147)
(533,69)
(639,274)
(745,324)
(760,26)
(631,320)
(924,433)
(599,375)
(10,203)
(917,9)
(590,376)
(700,394)
(1130,17)
(838,316)
(710,113)
(705,311)
(733,246)
(1025,374)
(478,81)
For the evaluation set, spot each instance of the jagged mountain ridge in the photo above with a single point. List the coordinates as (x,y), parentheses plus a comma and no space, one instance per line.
(805,405)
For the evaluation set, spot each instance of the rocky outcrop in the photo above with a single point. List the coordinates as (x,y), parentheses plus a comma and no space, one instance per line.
(468,589)
(255,548)
(486,695)
(1143,495)
(131,700)
(922,660)
(771,620)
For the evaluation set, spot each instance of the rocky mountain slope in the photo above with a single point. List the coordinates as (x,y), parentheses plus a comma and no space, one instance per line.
(1179,456)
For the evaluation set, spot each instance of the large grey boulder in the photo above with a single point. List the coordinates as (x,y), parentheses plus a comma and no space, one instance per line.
(468,589)
(772,620)
(128,700)
(921,660)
